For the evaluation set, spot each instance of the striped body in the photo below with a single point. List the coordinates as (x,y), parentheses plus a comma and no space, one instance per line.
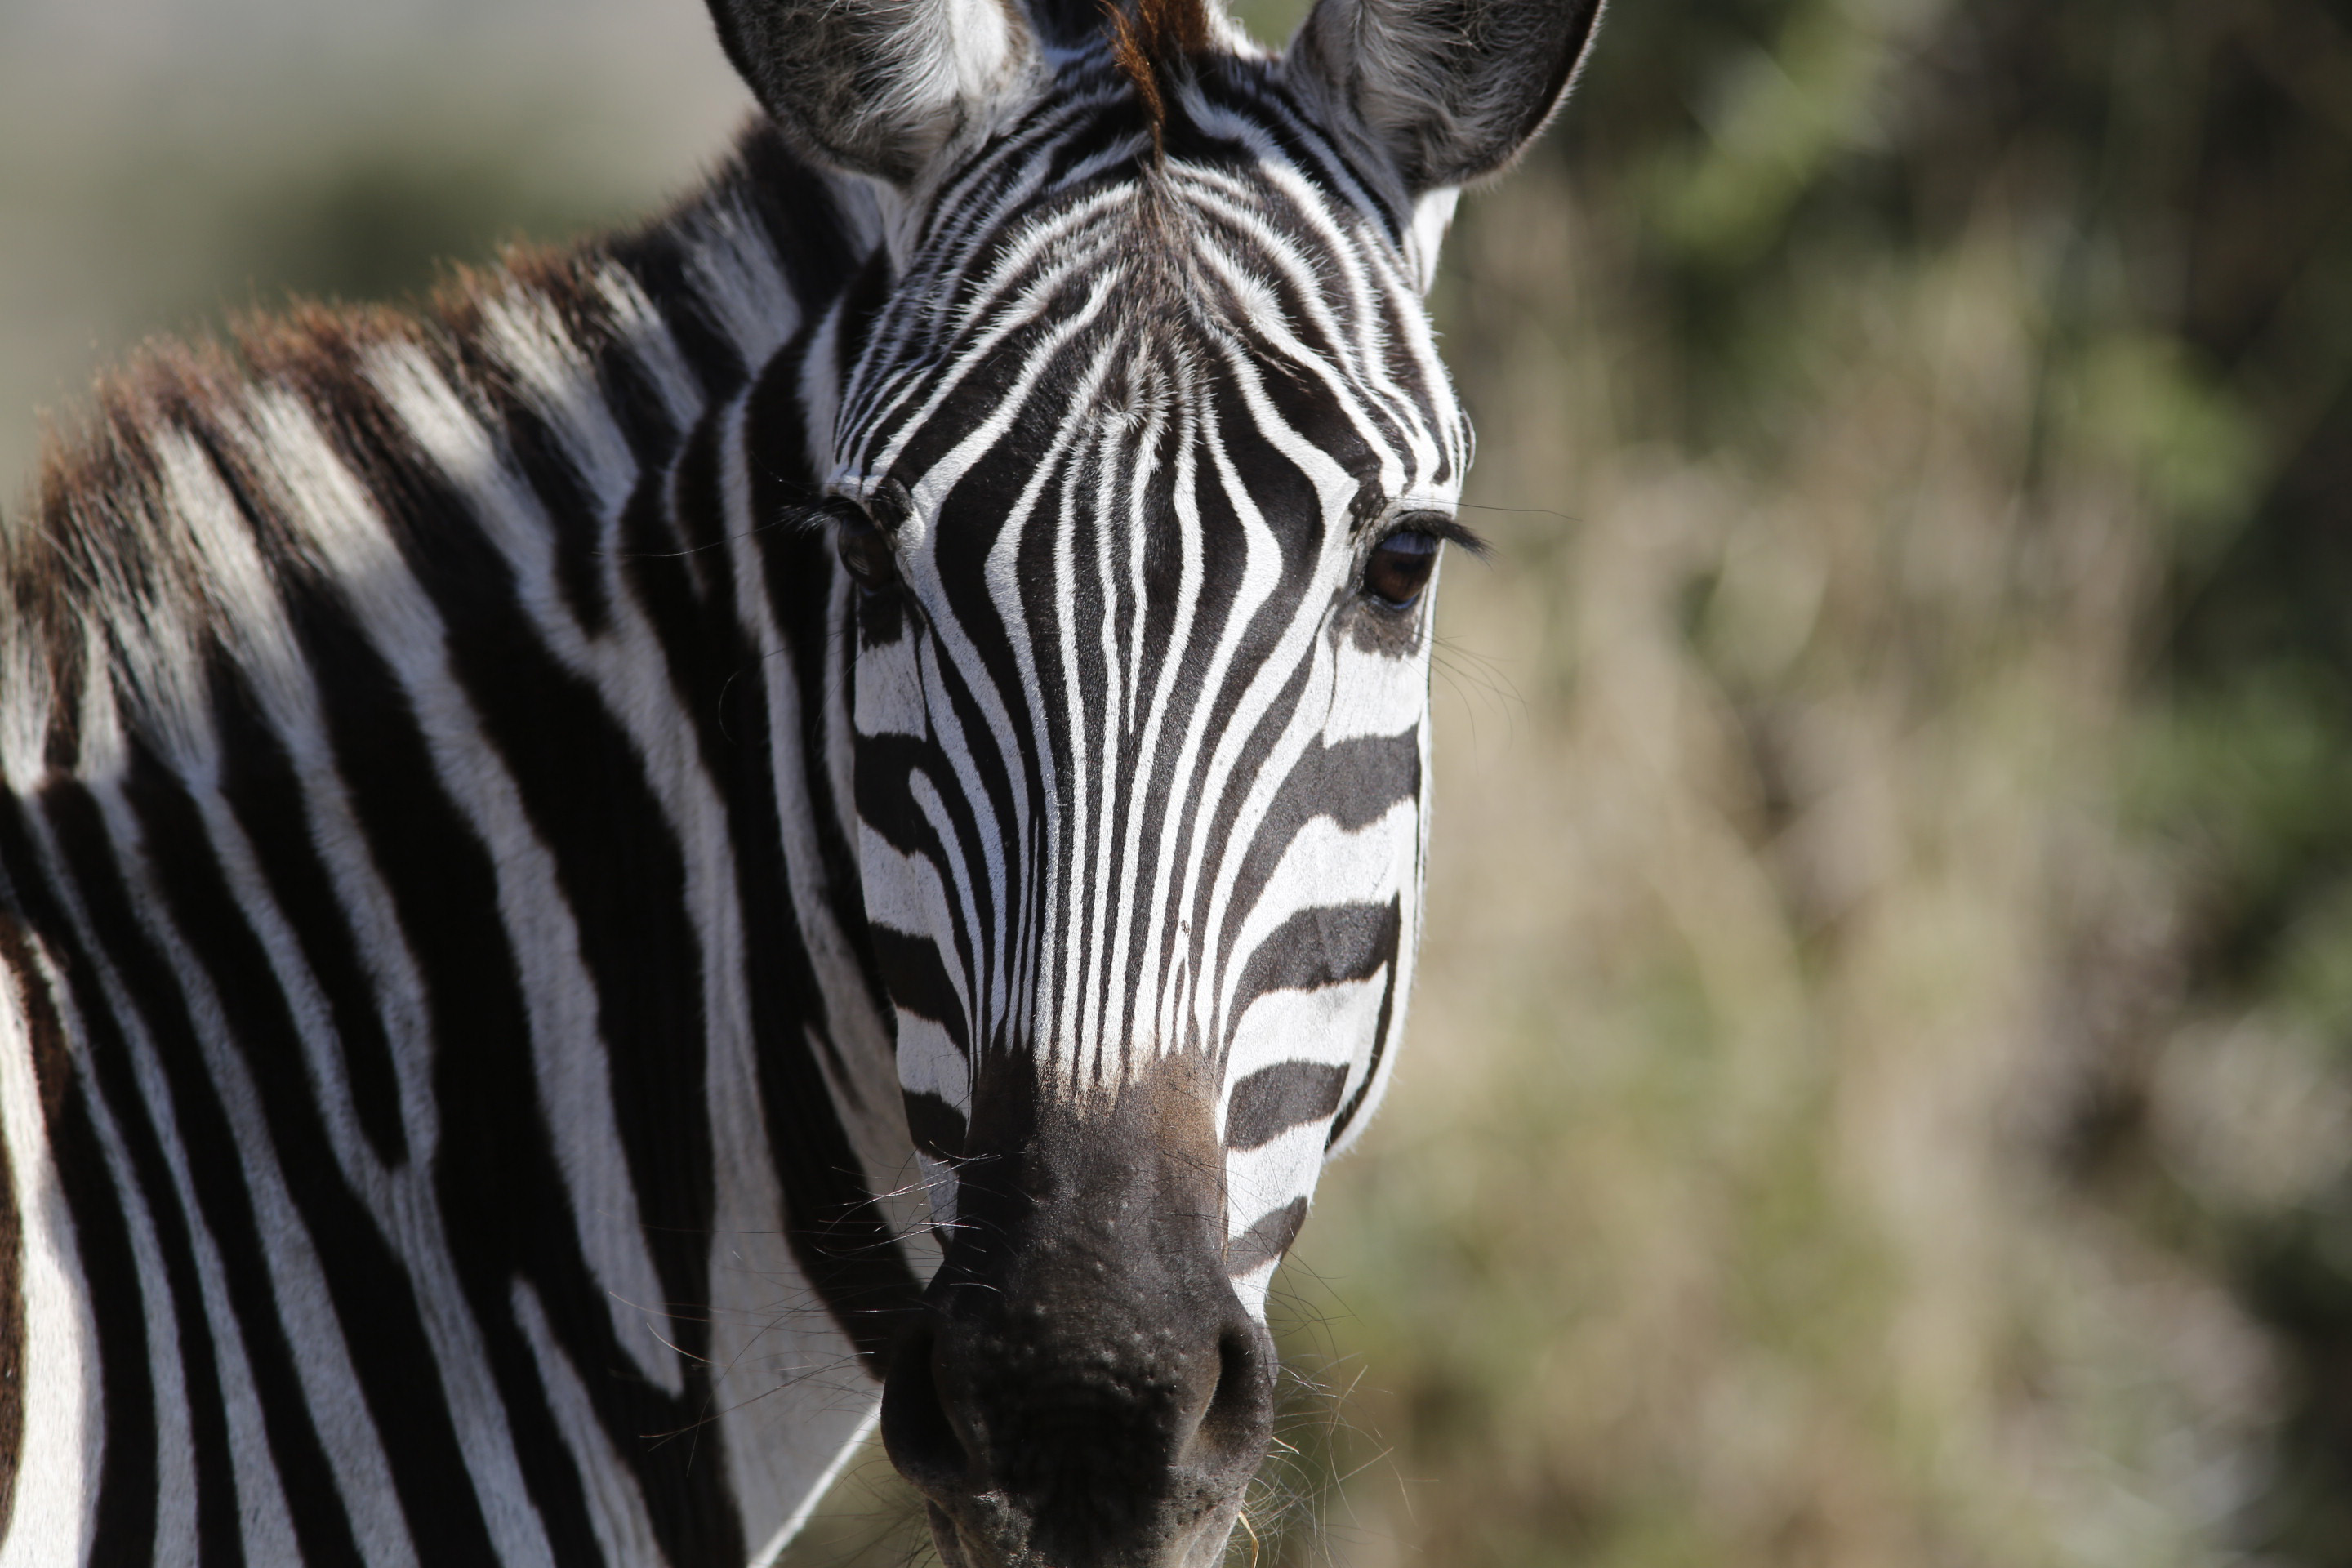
(560,858)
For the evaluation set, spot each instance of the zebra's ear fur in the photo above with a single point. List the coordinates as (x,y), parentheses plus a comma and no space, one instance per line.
(1451,90)
(875,87)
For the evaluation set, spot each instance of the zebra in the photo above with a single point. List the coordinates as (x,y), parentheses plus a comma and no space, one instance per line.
(807,816)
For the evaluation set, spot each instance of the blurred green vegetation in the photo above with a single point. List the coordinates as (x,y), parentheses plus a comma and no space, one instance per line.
(1880,1085)
(1912,1125)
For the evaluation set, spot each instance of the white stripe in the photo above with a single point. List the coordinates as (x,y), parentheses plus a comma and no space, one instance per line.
(51,1509)
(173,1449)
(904,894)
(1252,1286)
(1376,695)
(930,1063)
(1328,867)
(1260,1180)
(1329,1026)
(295,1279)
(739,279)
(345,527)
(616,1508)
(404,1204)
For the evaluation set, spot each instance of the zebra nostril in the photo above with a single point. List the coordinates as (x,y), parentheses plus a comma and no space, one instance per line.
(917,1431)
(1239,1415)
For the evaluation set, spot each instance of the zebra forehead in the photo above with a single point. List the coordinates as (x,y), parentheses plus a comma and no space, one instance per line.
(1249,220)
(1237,249)
(1139,324)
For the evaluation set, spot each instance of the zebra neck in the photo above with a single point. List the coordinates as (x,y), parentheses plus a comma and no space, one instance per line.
(429,910)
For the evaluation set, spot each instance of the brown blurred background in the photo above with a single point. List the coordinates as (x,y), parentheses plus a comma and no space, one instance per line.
(1880,1083)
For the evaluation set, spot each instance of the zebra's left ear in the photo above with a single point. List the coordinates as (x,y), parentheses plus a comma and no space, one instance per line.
(1451,90)
(875,87)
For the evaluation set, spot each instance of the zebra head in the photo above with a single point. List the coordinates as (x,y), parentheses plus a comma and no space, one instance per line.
(1140,461)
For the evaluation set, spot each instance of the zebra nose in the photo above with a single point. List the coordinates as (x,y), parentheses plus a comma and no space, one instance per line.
(1073,1430)
(964,1408)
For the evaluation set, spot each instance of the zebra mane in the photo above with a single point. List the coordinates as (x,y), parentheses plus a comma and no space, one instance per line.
(114,572)
(1152,40)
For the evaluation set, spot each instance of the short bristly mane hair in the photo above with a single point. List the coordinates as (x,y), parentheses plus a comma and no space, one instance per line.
(1152,40)
(103,560)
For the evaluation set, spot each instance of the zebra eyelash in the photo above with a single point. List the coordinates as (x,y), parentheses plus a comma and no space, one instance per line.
(1435,525)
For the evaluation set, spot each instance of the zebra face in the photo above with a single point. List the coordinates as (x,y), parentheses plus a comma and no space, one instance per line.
(1141,554)
(1140,541)
(1142,463)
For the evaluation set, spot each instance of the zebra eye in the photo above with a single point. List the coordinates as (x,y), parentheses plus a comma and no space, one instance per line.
(1399,568)
(864,547)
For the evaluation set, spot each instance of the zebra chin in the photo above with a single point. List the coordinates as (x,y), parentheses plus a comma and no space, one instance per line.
(1083,1386)
(1200,1547)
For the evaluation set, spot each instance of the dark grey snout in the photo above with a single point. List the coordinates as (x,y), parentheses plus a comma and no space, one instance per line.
(1083,1388)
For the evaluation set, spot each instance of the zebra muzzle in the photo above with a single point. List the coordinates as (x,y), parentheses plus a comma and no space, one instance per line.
(1083,1387)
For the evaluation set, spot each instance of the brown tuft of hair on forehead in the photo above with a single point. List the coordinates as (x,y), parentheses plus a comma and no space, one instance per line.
(1149,38)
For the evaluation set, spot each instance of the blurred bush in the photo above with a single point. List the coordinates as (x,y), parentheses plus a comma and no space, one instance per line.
(1882,1081)
(1880,1085)
(166,162)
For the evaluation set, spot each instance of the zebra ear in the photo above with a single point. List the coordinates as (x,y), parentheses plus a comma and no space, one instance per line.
(875,87)
(1452,90)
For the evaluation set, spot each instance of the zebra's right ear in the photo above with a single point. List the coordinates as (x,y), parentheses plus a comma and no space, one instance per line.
(875,87)
(1450,89)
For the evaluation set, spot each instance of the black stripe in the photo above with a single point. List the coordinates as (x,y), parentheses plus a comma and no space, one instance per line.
(1268,1240)
(575,516)
(1222,823)
(503,1202)
(210,1146)
(1272,1100)
(799,575)
(662,265)
(804,227)
(374,1303)
(127,1478)
(127,1472)
(1383,1035)
(61,745)
(12,1238)
(629,392)
(920,982)
(262,792)
(938,1127)
(684,503)
(1355,784)
(620,875)
(1322,946)
(838,1235)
